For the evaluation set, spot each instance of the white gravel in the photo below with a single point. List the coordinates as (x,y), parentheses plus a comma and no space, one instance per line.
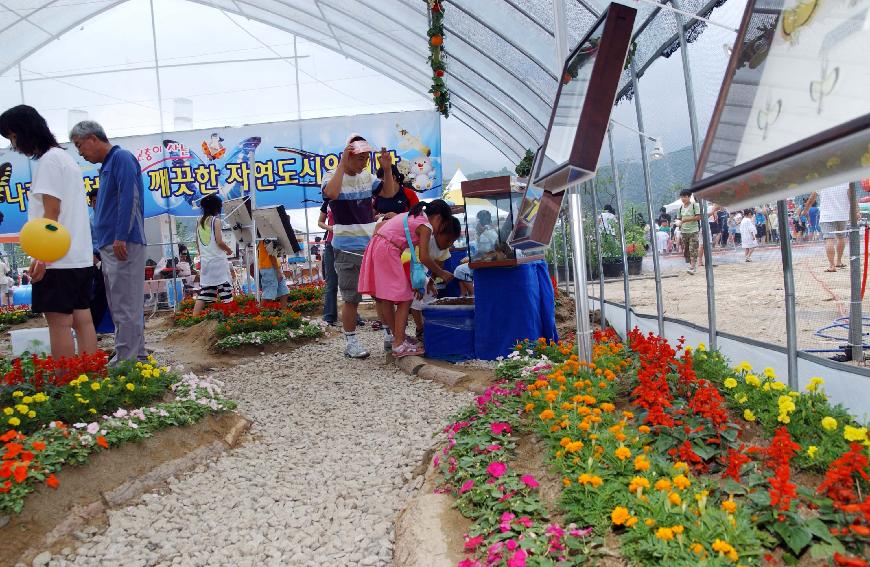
(319,481)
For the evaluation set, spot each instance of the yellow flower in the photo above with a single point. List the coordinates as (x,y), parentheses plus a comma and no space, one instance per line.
(131,386)
(17,394)
(570,447)
(675,499)
(811,451)
(742,398)
(638,483)
(829,423)
(31,414)
(753,380)
(681,466)
(14,421)
(697,549)
(857,434)
(644,429)
(649,522)
(681,482)
(156,373)
(677,529)
(147,374)
(769,373)
(547,414)
(725,548)
(729,506)
(630,522)
(8,411)
(95,386)
(663,484)
(783,418)
(83,378)
(730,383)
(93,411)
(40,397)
(702,347)
(665,534)
(814,384)
(748,415)
(620,515)
(22,408)
(743,367)
(777,386)
(27,400)
(622,453)
(641,463)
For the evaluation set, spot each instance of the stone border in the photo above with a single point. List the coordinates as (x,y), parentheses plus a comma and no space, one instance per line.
(417,366)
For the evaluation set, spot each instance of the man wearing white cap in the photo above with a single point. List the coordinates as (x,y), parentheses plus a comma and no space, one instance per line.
(350,188)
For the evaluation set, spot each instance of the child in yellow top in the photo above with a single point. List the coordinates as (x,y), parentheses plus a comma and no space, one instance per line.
(272,282)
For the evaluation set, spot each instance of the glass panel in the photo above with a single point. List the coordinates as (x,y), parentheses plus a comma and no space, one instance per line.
(490,221)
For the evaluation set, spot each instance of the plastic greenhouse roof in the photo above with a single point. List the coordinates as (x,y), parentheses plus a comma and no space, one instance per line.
(501,54)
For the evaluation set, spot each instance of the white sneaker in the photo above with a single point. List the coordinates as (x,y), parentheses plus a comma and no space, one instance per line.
(355,350)
(691,271)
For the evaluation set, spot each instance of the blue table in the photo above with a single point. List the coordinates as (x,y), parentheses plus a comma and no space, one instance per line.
(512,304)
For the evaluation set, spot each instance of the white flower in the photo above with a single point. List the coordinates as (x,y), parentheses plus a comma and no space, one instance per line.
(79,425)
(132,425)
(93,428)
(120,413)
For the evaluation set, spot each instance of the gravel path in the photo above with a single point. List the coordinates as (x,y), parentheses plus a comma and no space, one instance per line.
(319,481)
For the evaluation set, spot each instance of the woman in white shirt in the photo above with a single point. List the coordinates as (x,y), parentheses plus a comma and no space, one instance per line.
(61,289)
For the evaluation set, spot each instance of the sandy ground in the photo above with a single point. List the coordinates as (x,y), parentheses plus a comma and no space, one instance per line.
(749,297)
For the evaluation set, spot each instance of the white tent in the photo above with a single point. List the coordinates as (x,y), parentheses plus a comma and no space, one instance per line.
(453,191)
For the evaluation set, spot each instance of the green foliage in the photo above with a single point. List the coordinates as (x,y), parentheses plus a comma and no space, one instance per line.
(524,168)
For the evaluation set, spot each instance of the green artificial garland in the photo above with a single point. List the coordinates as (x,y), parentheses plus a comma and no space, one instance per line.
(439,91)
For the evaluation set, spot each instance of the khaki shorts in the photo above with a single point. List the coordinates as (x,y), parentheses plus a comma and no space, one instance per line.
(347,266)
(829,228)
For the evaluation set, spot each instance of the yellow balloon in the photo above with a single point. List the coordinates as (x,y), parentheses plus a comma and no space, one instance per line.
(45,240)
(406,254)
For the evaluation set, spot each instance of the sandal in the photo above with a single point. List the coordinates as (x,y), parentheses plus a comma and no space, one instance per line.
(377,326)
(407,349)
(831,270)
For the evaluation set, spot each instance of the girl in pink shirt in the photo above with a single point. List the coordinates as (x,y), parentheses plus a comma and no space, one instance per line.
(382,276)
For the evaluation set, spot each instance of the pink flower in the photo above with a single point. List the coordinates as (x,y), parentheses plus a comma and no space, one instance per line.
(585,532)
(466,486)
(469,563)
(525,521)
(518,559)
(493,448)
(496,469)
(436,461)
(511,545)
(555,530)
(499,427)
(472,543)
(529,481)
(93,428)
(506,519)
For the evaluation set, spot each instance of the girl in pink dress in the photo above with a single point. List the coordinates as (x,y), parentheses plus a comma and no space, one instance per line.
(382,276)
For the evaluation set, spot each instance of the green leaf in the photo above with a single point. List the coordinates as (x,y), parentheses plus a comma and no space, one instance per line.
(794,536)
(760,497)
(818,529)
(732,487)
(826,550)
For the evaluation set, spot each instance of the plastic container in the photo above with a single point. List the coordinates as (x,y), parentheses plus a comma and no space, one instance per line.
(22,295)
(448,332)
(35,341)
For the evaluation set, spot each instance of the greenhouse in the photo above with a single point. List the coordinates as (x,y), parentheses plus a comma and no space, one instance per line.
(434,282)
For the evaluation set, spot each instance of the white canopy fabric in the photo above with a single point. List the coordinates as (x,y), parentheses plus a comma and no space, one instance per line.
(501,54)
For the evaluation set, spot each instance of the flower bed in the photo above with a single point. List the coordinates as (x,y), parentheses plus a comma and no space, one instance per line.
(245,322)
(650,450)
(15,315)
(55,421)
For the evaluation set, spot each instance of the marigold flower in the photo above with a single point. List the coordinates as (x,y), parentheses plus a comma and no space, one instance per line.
(101,441)
(855,434)
(641,463)
(644,429)
(675,499)
(630,522)
(649,522)
(742,398)
(681,482)
(95,386)
(811,451)
(620,515)
(31,414)
(814,384)
(677,529)
(547,414)
(530,406)
(38,446)
(14,421)
(52,481)
(622,453)
(752,380)
(697,549)
(662,484)
(777,386)
(574,446)
(829,423)
(681,466)
(730,383)
(8,411)
(666,534)
(638,483)
(748,415)
(729,506)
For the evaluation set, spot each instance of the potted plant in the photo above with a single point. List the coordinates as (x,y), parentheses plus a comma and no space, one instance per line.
(635,249)
(611,256)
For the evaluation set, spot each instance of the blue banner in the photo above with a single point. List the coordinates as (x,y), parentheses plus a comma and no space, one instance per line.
(289,160)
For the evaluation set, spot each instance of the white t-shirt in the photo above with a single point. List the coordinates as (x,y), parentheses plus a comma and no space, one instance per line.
(835,203)
(662,240)
(748,233)
(58,175)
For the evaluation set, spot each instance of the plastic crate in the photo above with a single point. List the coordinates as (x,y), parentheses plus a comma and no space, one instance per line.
(448,332)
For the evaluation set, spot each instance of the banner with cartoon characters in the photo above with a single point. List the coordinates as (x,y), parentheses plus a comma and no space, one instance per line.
(289,160)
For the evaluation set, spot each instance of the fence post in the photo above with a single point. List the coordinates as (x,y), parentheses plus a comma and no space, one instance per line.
(599,237)
(788,284)
(568,263)
(581,298)
(625,289)
(647,181)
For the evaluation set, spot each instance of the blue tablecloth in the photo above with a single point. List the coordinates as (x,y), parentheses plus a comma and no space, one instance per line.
(512,304)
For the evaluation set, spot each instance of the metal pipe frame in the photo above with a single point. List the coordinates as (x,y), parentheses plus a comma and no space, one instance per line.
(856,319)
(599,237)
(647,182)
(788,285)
(696,152)
(568,265)
(252,192)
(625,286)
(581,298)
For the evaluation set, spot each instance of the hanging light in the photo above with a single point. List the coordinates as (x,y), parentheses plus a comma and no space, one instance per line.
(658,152)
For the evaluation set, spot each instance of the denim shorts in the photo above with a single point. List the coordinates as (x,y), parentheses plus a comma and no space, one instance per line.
(271,287)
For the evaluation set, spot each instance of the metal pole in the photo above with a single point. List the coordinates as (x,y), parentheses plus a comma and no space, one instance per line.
(174,265)
(555,254)
(647,182)
(599,237)
(856,319)
(621,234)
(253,196)
(696,151)
(788,284)
(568,264)
(581,298)
(299,128)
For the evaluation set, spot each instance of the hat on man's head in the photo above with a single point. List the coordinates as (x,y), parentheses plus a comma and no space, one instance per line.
(363,146)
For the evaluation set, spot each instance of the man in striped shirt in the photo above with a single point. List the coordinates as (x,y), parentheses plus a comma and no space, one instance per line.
(350,188)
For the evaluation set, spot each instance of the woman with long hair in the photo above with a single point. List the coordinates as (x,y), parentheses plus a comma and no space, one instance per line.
(61,289)
(214,273)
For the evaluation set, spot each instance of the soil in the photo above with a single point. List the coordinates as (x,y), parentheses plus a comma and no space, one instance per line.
(530,460)
(84,486)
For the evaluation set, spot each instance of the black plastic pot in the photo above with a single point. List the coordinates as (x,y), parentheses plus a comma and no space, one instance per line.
(612,268)
(635,266)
